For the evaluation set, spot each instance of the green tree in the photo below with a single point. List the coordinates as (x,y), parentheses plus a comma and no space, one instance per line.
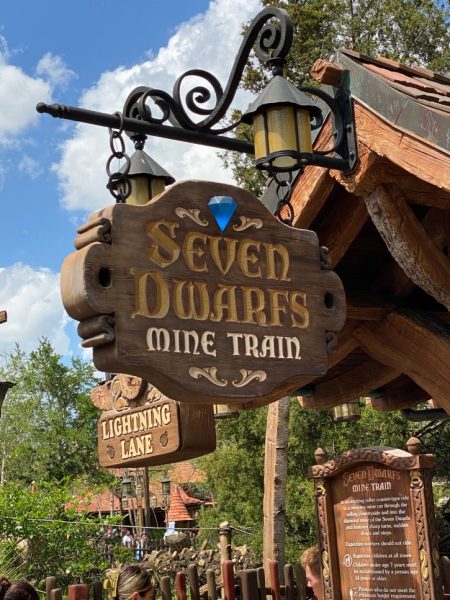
(48,424)
(49,537)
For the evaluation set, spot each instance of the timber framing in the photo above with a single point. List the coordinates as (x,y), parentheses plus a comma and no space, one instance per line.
(387,228)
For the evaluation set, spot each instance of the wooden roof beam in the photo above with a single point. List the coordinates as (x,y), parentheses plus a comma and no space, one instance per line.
(413,343)
(351,385)
(400,394)
(408,242)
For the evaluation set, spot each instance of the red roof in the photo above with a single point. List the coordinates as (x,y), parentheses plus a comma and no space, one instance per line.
(177,508)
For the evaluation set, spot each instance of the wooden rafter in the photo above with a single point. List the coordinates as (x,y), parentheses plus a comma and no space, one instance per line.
(436,225)
(3,316)
(352,384)
(413,343)
(402,393)
(424,263)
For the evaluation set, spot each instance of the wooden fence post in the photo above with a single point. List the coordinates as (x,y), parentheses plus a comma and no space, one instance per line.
(78,591)
(166,589)
(248,583)
(97,590)
(50,584)
(55,594)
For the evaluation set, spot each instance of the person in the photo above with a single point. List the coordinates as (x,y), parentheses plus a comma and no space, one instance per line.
(127,540)
(129,583)
(17,590)
(310,561)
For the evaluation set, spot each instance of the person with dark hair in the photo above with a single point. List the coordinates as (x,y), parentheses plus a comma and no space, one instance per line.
(17,590)
(310,561)
(129,583)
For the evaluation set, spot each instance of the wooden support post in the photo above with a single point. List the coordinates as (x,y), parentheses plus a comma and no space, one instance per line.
(225,541)
(289,583)
(300,580)
(275,475)
(261,583)
(147,515)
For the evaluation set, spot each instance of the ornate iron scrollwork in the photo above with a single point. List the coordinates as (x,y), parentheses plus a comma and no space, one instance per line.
(272,43)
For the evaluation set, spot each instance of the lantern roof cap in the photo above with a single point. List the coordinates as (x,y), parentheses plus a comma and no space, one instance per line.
(280,92)
(143,164)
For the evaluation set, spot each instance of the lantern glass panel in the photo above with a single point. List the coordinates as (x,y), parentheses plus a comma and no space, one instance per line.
(259,136)
(304,131)
(282,136)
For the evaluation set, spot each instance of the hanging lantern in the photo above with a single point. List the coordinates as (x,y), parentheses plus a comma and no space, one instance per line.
(349,411)
(281,117)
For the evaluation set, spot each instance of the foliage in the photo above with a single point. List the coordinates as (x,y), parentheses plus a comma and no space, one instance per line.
(235,470)
(48,424)
(49,537)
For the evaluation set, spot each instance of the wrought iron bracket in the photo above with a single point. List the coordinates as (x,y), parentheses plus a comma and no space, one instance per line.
(270,34)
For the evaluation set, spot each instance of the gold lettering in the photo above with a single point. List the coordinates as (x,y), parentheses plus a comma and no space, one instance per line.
(254,311)
(271,250)
(230,252)
(161,240)
(162,299)
(195,310)
(220,306)
(131,448)
(275,307)
(299,309)
(190,335)
(245,257)
(251,345)
(190,251)
(292,343)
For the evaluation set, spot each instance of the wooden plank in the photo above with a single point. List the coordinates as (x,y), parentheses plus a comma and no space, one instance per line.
(402,393)
(275,476)
(180,586)
(341,226)
(211,585)
(416,344)
(413,154)
(248,584)
(352,384)
(166,588)
(372,170)
(194,587)
(3,316)
(408,242)
(436,225)
(228,580)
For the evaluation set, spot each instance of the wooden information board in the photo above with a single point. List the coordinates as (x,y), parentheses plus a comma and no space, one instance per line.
(376,526)
(204,293)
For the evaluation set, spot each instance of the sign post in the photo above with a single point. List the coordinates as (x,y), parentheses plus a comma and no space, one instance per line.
(376,525)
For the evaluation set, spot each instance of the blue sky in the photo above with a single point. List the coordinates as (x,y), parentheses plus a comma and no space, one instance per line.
(52,172)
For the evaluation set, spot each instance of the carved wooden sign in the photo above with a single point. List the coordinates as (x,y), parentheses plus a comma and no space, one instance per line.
(376,526)
(140,426)
(204,293)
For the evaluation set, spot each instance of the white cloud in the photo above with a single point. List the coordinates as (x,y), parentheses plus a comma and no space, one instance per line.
(33,302)
(52,68)
(209,41)
(30,166)
(19,94)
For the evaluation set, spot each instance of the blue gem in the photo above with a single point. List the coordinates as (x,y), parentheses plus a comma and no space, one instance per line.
(223,208)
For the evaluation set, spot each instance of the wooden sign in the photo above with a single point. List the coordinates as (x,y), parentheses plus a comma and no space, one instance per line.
(141,426)
(376,525)
(204,293)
